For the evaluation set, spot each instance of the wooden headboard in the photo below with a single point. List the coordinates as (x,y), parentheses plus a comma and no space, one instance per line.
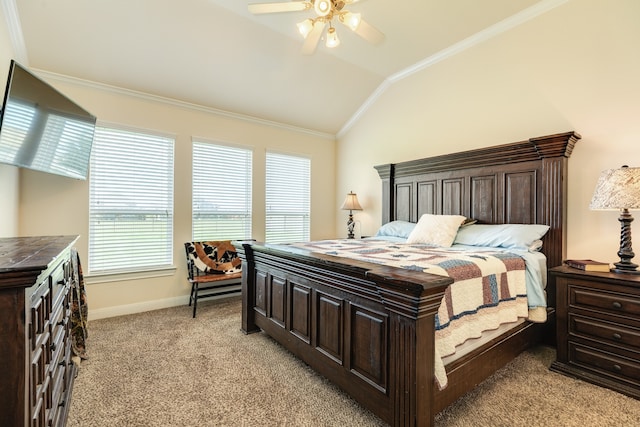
(519,183)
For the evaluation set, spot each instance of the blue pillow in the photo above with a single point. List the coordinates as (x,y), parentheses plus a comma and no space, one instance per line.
(396,229)
(515,236)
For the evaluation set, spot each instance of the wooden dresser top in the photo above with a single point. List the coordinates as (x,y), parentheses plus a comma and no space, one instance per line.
(22,257)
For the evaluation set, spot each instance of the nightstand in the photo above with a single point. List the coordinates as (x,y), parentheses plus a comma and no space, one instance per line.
(598,328)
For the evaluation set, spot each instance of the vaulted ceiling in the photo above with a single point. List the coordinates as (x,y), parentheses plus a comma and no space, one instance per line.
(216,54)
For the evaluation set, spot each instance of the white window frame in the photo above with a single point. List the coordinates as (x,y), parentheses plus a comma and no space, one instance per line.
(221,182)
(287,197)
(130,201)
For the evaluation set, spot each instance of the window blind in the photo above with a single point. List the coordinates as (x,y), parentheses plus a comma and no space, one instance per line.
(221,191)
(288,195)
(130,201)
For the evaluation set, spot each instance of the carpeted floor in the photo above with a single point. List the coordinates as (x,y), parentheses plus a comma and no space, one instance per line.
(163,368)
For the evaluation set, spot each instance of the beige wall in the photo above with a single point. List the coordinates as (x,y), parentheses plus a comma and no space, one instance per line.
(8,174)
(55,205)
(574,68)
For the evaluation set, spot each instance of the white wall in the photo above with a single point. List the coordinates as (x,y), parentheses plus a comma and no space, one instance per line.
(574,68)
(56,205)
(8,174)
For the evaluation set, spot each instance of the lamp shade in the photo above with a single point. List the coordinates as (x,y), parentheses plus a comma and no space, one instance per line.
(305,27)
(332,38)
(351,20)
(617,189)
(351,202)
(322,7)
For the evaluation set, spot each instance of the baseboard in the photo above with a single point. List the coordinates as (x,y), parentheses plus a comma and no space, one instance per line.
(140,307)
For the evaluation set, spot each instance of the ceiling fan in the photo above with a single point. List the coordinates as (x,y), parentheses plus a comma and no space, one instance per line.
(325,10)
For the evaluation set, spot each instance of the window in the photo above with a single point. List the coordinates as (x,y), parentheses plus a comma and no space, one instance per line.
(130,201)
(287,198)
(221,191)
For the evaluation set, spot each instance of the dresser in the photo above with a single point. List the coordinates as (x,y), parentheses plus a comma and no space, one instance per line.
(35,352)
(598,328)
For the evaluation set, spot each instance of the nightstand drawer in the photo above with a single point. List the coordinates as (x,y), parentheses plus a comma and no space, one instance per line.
(598,329)
(619,369)
(611,302)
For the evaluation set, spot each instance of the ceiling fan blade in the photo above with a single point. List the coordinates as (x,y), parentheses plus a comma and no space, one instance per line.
(311,42)
(369,32)
(287,6)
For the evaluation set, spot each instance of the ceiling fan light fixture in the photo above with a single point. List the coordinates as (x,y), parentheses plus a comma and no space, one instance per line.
(305,27)
(313,28)
(322,7)
(351,20)
(332,38)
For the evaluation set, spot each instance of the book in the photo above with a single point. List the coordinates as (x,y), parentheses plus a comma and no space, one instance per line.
(588,265)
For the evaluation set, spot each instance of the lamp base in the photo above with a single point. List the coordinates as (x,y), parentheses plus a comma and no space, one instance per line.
(625,267)
(350,226)
(625,253)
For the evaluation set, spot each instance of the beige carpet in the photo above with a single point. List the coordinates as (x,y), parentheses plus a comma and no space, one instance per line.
(163,368)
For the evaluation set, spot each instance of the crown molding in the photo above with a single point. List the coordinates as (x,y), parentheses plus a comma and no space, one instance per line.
(178,103)
(14,28)
(480,37)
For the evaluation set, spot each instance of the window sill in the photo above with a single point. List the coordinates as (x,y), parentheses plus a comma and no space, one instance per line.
(96,278)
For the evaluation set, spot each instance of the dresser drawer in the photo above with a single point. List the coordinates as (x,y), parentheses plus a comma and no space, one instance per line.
(40,311)
(618,368)
(59,283)
(612,302)
(598,329)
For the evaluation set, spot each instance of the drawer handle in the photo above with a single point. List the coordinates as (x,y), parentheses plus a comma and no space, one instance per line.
(63,363)
(53,346)
(617,368)
(62,403)
(617,336)
(616,304)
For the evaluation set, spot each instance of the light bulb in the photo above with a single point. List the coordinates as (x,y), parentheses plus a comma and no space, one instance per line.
(332,38)
(351,20)
(305,27)
(322,7)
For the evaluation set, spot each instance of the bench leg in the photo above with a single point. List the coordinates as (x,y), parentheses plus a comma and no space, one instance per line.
(191,294)
(194,297)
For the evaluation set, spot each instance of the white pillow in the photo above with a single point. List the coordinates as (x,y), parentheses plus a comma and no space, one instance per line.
(516,236)
(396,229)
(436,230)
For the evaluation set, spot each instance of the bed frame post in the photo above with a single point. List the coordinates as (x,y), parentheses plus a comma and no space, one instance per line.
(413,367)
(386,173)
(554,150)
(245,252)
(411,348)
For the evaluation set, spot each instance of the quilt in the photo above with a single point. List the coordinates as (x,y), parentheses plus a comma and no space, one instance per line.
(489,286)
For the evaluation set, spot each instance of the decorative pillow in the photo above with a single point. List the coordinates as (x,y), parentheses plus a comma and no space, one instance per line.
(516,236)
(396,229)
(436,230)
(219,257)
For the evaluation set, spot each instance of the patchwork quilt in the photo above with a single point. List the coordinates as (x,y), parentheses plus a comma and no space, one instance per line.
(489,286)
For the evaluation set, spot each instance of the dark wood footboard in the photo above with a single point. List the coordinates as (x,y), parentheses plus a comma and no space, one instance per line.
(367,328)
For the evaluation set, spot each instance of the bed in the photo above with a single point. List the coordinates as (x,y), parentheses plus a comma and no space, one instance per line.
(370,328)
